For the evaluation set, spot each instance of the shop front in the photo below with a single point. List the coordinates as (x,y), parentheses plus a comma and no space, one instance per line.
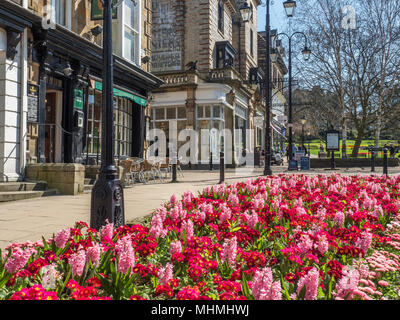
(65,106)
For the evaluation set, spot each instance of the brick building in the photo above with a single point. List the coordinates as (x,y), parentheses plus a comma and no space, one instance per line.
(50,81)
(205,54)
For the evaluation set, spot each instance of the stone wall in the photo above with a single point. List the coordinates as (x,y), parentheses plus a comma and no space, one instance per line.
(351,163)
(68,179)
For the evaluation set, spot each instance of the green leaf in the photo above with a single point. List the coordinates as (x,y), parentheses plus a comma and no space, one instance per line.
(61,289)
(284,288)
(245,288)
(302,293)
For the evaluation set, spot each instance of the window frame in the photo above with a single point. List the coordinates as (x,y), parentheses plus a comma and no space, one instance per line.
(120,23)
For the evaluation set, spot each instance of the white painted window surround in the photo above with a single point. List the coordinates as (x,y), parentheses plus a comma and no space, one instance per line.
(61,12)
(127,31)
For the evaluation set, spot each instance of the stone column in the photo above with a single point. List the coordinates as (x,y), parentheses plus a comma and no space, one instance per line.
(10,105)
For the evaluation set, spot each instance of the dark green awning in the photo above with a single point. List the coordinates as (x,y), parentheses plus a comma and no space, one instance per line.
(122,94)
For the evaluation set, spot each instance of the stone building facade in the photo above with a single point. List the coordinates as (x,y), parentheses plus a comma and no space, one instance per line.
(205,54)
(50,81)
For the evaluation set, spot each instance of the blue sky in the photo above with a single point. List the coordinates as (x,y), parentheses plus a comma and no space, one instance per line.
(278,16)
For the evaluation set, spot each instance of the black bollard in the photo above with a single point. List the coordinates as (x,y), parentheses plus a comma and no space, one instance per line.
(333,165)
(211,162)
(221,168)
(373,161)
(385,162)
(174,175)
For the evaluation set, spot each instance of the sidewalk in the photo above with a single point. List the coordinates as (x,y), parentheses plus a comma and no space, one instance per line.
(31,219)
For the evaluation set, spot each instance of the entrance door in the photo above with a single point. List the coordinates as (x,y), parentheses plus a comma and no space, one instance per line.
(50,128)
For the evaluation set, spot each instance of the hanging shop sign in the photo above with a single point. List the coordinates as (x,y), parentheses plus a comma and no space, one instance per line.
(96,12)
(122,94)
(33,103)
(78,99)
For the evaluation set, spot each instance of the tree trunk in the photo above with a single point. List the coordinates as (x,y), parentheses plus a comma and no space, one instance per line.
(357,144)
(344,139)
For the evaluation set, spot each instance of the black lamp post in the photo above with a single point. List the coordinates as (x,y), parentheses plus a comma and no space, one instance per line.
(107,194)
(303,122)
(290,7)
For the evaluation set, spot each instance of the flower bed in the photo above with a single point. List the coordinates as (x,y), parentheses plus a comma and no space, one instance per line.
(283,237)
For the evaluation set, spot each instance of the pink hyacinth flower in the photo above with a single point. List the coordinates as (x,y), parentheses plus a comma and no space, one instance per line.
(62,237)
(166,274)
(264,287)
(311,282)
(17,260)
(77,262)
(126,254)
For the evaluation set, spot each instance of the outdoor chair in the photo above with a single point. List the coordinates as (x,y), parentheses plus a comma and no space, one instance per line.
(165,166)
(129,174)
(137,170)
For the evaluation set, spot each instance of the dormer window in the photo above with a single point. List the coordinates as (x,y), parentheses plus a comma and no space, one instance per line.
(225,54)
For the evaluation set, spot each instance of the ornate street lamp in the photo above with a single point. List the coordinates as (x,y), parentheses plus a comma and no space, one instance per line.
(289,7)
(107,194)
(246,12)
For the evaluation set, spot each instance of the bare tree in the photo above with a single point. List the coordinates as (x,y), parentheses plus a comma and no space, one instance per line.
(356,62)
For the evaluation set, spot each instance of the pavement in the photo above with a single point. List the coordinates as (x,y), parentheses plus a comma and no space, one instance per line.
(31,219)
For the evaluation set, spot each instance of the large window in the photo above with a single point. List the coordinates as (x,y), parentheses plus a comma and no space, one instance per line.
(122,125)
(126,31)
(93,128)
(60,12)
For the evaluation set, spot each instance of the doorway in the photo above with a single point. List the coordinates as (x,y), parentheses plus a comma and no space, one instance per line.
(52,126)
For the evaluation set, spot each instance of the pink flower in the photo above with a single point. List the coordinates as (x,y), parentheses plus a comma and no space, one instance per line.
(173,199)
(311,282)
(157,227)
(229,252)
(252,219)
(187,227)
(126,254)
(17,260)
(93,253)
(322,245)
(107,231)
(383,283)
(305,244)
(264,287)
(166,274)
(365,241)
(77,262)
(348,283)
(175,247)
(226,213)
(62,237)
(339,218)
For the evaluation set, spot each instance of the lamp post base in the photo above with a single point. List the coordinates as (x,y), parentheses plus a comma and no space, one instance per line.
(107,200)
(268,172)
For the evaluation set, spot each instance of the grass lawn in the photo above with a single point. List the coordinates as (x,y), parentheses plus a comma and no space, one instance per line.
(315,144)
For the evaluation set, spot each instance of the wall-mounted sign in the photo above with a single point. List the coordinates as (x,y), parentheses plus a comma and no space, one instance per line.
(332,141)
(96,12)
(166,49)
(78,99)
(33,103)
